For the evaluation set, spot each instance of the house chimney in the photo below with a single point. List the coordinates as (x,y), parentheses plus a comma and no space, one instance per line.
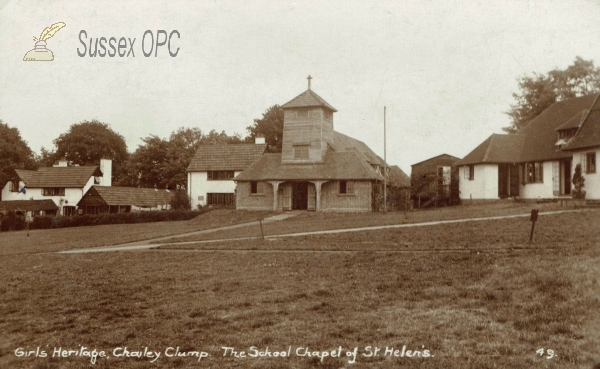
(106,169)
(61,162)
(259,139)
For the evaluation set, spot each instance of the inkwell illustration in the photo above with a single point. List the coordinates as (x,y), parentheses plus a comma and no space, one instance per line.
(40,52)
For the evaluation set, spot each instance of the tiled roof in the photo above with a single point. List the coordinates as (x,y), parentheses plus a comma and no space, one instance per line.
(496,149)
(346,165)
(575,121)
(106,195)
(341,142)
(307,99)
(398,177)
(589,133)
(68,177)
(225,157)
(446,158)
(541,136)
(27,205)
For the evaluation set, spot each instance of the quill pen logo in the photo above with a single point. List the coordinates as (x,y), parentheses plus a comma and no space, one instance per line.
(40,52)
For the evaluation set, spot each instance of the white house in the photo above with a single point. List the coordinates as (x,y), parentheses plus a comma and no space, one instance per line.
(538,161)
(63,184)
(212,171)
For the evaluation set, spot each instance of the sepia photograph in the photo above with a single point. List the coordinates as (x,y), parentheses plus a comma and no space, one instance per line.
(299,184)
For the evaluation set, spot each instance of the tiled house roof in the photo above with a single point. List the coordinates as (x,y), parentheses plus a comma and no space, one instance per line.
(225,157)
(496,149)
(68,177)
(142,197)
(541,135)
(308,99)
(346,165)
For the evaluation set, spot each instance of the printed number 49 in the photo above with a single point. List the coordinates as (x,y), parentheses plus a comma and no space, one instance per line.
(549,353)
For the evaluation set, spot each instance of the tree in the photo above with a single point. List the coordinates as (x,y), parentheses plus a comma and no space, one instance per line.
(180,200)
(14,153)
(270,126)
(163,163)
(89,141)
(539,91)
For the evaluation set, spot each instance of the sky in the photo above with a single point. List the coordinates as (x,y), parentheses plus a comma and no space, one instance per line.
(445,70)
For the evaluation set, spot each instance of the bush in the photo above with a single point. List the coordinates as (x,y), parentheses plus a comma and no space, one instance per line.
(41,222)
(578,183)
(13,222)
(180,201)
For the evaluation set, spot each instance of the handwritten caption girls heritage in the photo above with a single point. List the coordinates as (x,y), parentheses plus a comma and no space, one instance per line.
(352,355)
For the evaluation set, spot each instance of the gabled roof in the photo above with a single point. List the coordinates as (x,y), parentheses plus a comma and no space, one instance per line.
(541,136)
(345,165)
(496,149)
(27,205)
(436,158)
(589,133)
(225,157)
(575,122)
(398,177)
(341,142)
(106,195)
(68,177)
(307,99)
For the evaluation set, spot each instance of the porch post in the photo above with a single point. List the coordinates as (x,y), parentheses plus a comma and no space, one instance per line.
(275,185)
(318,193)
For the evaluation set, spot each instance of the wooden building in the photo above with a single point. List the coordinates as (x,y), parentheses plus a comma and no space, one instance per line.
(434,182)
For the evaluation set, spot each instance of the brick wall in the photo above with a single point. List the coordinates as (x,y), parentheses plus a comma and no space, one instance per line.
(247,201)
(360,201)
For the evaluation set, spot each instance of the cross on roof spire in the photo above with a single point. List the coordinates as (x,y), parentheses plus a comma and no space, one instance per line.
(309,78)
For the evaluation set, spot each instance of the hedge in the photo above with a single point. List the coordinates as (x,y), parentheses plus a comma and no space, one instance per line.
(45,222)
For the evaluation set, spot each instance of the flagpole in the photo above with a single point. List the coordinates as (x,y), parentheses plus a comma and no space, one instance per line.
(384,164)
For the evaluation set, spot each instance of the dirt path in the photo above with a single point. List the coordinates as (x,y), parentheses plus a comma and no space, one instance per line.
(147,244)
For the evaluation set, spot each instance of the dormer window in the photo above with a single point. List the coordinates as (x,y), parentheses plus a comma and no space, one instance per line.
(564,135)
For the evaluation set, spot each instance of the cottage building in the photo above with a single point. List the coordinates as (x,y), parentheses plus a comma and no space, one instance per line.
(104,200)
(318,169)
(538,161)
(63,184)
(213,167)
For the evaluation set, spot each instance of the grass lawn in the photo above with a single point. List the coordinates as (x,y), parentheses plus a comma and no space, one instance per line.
(484,299)
(48,240)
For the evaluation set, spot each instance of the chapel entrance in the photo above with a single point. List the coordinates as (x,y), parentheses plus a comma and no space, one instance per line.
(299,195)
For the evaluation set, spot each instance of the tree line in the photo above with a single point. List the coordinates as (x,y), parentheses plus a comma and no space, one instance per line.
(157,162)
